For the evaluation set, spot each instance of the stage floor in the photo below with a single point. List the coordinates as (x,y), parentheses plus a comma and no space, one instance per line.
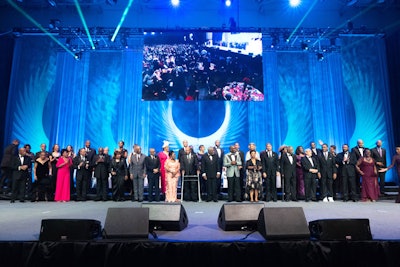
(22,221)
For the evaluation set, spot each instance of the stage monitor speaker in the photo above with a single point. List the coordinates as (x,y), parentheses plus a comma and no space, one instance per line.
(239,216)
(340,229)
(69,230)
(167,216)
(132,223)
(286,223)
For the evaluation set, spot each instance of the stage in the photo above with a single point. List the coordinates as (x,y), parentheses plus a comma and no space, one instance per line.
(202,241)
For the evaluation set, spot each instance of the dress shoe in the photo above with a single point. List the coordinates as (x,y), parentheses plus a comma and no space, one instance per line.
(215,200)
(22,201)
(325,199)
(12,201)
(355,200)
(314,199)
(345,199)
(330,199)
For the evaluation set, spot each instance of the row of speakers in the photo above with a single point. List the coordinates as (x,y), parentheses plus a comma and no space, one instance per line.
(273,223)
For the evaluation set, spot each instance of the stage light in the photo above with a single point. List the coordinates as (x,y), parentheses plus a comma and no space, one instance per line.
(78,56)
(228,3)
(294,3)
(320,56)
(54,24)
(304,46)
(175,3)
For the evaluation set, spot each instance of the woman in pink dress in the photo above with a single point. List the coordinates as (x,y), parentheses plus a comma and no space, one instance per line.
(63,187)
(172,167)
(369,183)
(163,156)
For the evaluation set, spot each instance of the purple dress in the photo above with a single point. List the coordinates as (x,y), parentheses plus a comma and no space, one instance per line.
(369,183)
(300,177)
(396,161)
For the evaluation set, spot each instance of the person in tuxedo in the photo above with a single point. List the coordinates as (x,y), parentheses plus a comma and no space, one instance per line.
(270,167)
(240,153)
(152,165)
(337,183)
(81,164)
(328,170)
(233,164)
(190,166)
(182,150)
(311,174)
(210,170)
(378,153)
(10,152)
(220,153)
(101,167)
(315,151)
(200,153)
(358,152)
(137,172)
(288,173)
(347,170)
(90,152)
(20,166)
(119,174)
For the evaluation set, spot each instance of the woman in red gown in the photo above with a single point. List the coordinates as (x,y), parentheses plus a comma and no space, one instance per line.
(163,156)
(63,187)
(369,184)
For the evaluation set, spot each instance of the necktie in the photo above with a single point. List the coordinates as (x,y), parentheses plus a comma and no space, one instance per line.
(210,157)
(269,154)
(21,159)
(326,155)
(380,151)
(137,157)
(311,161)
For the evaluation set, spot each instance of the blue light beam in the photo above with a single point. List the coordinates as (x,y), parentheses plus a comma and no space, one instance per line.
(122,20)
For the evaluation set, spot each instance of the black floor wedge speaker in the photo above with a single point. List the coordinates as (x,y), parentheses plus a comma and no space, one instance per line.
(69,230)
(239,216)
(286,223)
(340,229)
(166,216)
(126,223)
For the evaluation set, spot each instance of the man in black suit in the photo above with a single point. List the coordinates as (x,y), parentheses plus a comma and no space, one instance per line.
(182,150)
(210,170)
(83,174)
(270,166)
(10,152)
(101,167)
(190,166)
(378,153)
(314,150)
(328,172)
(358,152)
(20,167)
(219,152)
(240,153)
(347,170)
(90,152)
(311,174)
(152,164)
(288,172)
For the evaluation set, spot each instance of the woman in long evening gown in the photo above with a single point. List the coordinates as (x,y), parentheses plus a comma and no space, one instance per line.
(172,173)
(119,174)
(369,184)
(396,162)
(63,184)
(299,173)
(42,171)
(54,156)
(163,156)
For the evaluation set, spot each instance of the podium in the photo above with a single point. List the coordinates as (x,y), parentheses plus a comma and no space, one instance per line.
(190,178)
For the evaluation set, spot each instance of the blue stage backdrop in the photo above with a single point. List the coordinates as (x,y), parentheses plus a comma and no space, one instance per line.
(55,98)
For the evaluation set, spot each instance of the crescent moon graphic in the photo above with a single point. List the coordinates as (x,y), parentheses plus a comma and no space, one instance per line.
(210,139)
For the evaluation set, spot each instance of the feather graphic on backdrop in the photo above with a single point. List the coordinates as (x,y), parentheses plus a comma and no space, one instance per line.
(295,98)
(101,111)
(228,132)
(28,117)
(370,118)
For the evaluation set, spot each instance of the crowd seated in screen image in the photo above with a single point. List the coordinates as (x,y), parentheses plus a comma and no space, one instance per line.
(196,72)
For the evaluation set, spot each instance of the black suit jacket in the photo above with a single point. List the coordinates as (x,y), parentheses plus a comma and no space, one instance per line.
(288,169)
(327,167)
(100,166)
(90,155)
(151,164)
(356,152)
(306,165)
(378,158)
(10,152)
(346,168)
(220,159)
(81,171)
(190,166)
(16,163)
(269,165)
(210,167)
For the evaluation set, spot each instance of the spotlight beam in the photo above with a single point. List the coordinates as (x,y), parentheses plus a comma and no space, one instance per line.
(128,7)
(37,24)
(302,19)
(78,8)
